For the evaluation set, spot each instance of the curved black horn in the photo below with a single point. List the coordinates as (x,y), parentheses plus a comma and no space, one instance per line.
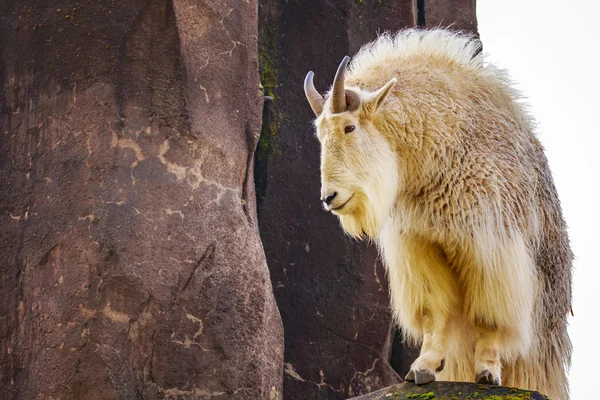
(338,94)
(312,95)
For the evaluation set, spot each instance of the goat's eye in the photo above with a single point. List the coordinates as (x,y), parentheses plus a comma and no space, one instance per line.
(349,128)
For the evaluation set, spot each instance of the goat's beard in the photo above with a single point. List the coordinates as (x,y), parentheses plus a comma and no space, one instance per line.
(361,222)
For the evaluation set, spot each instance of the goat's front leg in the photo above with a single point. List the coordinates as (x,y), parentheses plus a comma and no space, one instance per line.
(432,356)
(424,296)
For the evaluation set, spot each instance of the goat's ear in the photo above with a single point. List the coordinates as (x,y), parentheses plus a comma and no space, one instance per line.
(376,99)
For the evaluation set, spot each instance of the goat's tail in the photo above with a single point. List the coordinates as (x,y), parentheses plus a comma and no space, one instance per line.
(544,369)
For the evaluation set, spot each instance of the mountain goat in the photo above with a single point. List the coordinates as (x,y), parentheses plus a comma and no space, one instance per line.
(426,150)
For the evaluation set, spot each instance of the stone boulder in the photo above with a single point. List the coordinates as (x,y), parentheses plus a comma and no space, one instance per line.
(131,260)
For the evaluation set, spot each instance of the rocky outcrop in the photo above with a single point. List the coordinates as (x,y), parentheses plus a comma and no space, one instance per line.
(331,291)
(131,260)
(451,391)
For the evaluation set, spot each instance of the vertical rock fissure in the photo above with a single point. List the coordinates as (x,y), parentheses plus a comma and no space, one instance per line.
(247,186)
(402,354)
(203,260)
(267,58)
(261,157)
(421,14)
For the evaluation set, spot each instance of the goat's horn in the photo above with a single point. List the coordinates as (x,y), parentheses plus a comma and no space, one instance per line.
(313,96)
(338,94)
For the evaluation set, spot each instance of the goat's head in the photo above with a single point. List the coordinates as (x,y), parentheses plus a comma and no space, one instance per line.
(358,164)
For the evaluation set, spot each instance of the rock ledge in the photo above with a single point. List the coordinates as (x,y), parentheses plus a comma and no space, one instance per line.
(451,391)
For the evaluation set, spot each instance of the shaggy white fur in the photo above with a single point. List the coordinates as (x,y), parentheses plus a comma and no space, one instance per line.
(439,165)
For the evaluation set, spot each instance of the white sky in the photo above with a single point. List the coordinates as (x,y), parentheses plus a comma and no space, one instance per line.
(551,49)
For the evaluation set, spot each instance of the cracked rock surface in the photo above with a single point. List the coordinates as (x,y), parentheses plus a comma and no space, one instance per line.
(131,260)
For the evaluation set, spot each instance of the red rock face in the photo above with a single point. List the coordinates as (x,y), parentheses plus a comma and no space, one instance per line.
(331,291)
(131,261)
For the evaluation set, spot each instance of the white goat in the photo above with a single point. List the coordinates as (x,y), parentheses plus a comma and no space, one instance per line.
(426,150)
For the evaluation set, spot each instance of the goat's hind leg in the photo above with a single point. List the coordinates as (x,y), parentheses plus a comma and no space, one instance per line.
(499,304)
(487,355)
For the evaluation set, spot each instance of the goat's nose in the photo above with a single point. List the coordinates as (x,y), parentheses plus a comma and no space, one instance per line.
(327,200)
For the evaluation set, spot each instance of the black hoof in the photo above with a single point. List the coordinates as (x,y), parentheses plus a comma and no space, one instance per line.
(441,367)
(423,377)
(487,378)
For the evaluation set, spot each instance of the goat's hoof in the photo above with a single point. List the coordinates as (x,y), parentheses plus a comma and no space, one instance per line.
(487,378)
(423,377)
(441,367)
(420,377)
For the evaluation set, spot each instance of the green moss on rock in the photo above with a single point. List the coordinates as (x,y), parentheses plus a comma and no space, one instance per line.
(266,59)
(451,391)
(272,119)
